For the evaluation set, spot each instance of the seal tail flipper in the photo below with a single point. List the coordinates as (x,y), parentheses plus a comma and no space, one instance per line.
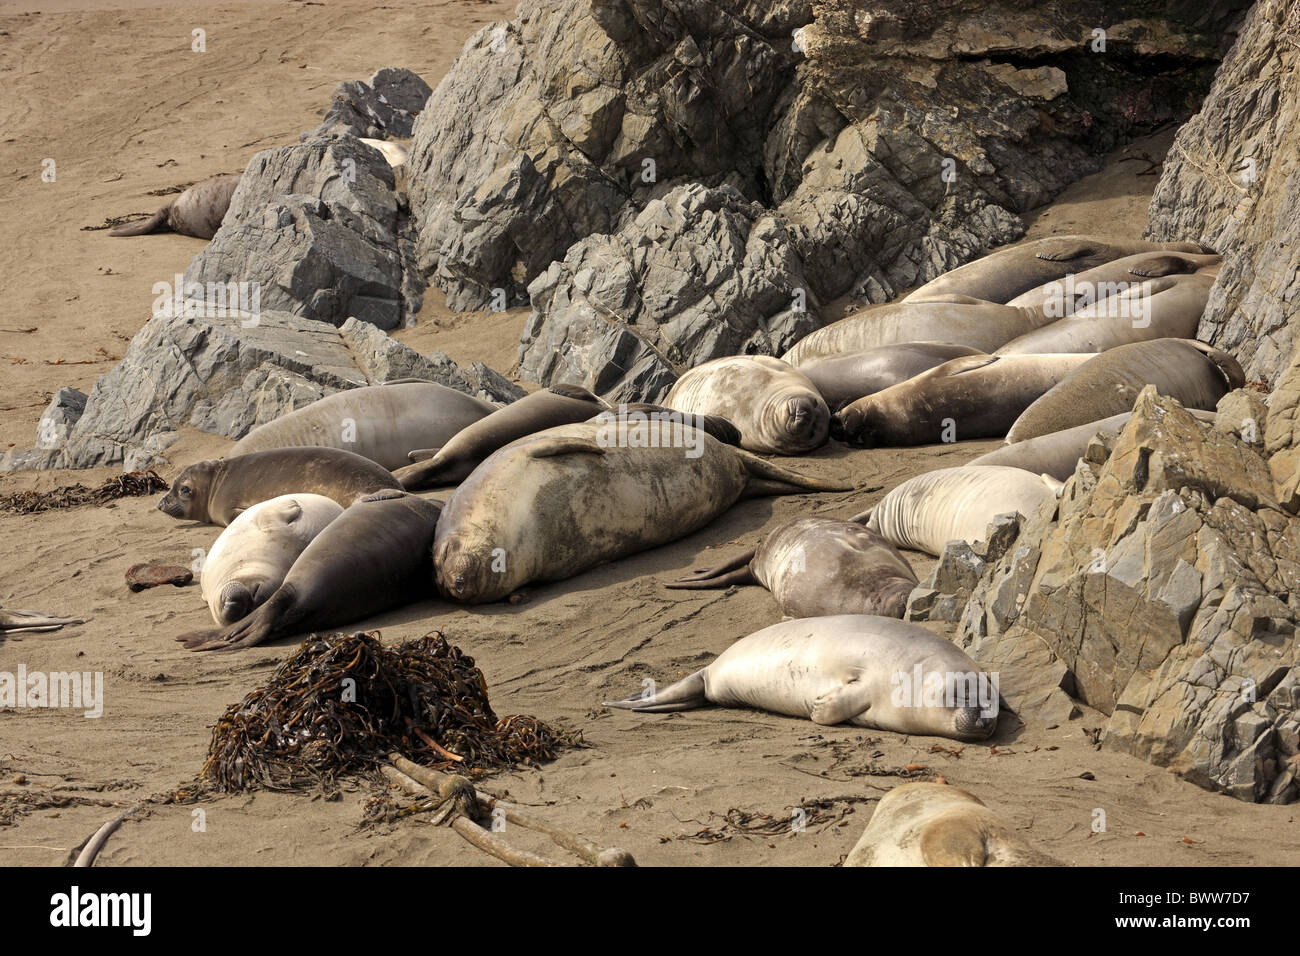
(687,694)
(140,227)
(421,475)
(1229,366)
(735,571)
(422,454)
(12,619)
(766,478)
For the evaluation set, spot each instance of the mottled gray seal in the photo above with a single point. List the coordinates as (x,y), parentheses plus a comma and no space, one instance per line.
(1166,307)
(380,422)
(955,504)
(866,670)
(372,557)
(842,379)
(556,503)
(1074,291)
(1197,375)
(196,212)
(978,396)
(933,824)
(816,567)
(249,560)
(219,490)
(557,405)
(776,408)
(954,320)
(1005,274)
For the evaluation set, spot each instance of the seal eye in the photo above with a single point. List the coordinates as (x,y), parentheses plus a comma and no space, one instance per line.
(185,491)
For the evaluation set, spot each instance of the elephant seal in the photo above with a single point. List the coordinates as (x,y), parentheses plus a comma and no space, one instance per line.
(1196,374)
(13,621)
(842,379)
(1065,296)
(219,490)
(933,824)
(196,212)
(251,557)
(1005,274)
(395,153)
(862,669)
(557,405)
(955,504)
(380,422)
(954,320)
(1167,307)
(556,503)
(372,557)
(778,411)
(819,566)
(1058,453)
(979,396)
(715,425)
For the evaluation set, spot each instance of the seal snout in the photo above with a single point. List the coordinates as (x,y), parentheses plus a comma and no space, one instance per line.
(972,723)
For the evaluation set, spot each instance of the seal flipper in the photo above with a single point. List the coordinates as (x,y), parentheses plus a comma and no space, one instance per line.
(553,447)
(735,571)
(765,478)
(1066,249)
(841,703)
(155,223)
(15,620)
(1163,266)
(274,617)
(687,694)
(422,454)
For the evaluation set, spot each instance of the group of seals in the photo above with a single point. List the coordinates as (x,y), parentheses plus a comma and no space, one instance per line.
(777,409)
(849,668)
(842,379)
(819,566)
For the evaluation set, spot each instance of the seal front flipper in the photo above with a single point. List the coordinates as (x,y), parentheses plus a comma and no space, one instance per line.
(422,454)
(1067,249)
(552,447)
(841,703)
(155,223)
(687,694)
(735,571)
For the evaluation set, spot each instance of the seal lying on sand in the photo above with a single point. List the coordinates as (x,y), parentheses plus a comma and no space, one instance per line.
(557,405)
(372,557)
(196,212)
(933,824)
(1005,274)
(249,560)
(1196,374)
(379,422)
(953,319)
(819,566)
(842,379)
(869,671)
(978,396)
(219,490)
(13,620)
(955,504)
(1063,297)
(777,409)
(556,503)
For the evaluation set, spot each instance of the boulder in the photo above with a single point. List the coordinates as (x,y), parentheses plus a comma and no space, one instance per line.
(383,107)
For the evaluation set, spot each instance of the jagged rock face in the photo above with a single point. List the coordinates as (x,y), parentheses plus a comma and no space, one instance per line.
(383,107)
(888,141)
(1231,181)
(220,376)
(1164,594)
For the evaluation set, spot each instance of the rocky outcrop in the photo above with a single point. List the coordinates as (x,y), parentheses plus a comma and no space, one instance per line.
(383,107)
(226,375)
(1163,593)
(1232,182)
(942,596)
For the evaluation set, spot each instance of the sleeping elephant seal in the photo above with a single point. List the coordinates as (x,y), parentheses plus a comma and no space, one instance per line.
(556,503)
(1196,374)
(955,504)
(219,490)
(819,566)
(933,824)
(1058,453)
(715,425)
(547,408)
(251,557)
(1168,307)
(1065,296)
(380,422)
(196,212)
(776,408)
(842,379)
(954,320)
(861,669)
(372,557)
(1005,274)
(979,396)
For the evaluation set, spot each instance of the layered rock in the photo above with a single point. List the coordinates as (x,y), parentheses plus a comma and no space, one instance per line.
(1163,593)
(1232,182)
(383,107)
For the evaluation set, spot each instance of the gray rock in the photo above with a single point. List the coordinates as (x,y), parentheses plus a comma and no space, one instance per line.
(384,107)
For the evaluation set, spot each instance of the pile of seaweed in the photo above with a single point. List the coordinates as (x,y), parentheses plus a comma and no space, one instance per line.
(343,702)
(132,484)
